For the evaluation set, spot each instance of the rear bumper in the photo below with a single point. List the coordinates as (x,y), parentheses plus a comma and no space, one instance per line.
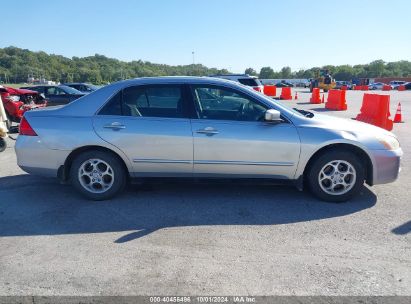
(34,157)
(386,165)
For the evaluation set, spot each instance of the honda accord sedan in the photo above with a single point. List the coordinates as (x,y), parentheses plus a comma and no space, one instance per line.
(201,127)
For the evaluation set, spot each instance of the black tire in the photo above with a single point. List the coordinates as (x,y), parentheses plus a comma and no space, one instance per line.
(321,161)
(3,144)
(118,171)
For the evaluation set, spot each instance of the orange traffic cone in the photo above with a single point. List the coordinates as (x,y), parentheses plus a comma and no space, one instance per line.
(398,115)
(296,96)
(322,99)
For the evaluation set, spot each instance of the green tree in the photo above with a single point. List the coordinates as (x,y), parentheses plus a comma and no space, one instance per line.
(17,64)
(267,73)
(251,71)
(376,68)
(285,72)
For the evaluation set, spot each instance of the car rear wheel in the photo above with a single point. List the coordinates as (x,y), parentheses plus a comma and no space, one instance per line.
(98,175)
(336,176)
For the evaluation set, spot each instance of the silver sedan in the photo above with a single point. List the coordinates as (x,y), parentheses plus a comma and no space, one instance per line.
(201,127)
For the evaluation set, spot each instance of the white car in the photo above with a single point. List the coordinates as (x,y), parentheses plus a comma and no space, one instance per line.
(396,83)
(377,86)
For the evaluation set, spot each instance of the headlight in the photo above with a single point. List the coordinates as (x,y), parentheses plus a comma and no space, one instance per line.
(389,142)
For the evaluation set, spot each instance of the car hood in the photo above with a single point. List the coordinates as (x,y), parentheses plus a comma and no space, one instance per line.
(347,125)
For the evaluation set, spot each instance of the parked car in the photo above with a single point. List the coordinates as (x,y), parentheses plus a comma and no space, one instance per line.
(376,86)
(340,84)
(303,84)
(57,94)
(407,85)
(18,101)
(396,83)
(244,79)
(201,127)
(283,84)
(82,87)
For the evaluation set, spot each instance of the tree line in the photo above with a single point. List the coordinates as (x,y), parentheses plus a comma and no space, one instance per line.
(374,69)
(17,65)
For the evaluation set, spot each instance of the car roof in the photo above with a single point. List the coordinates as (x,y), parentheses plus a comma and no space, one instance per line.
(174,79)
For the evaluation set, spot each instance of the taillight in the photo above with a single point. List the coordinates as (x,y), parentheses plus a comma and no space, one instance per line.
(25,128)
(258,89)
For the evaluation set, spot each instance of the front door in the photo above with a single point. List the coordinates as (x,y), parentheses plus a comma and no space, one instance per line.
(149,125)
(231,137)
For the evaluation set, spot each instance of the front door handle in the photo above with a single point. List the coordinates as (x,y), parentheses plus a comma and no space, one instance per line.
(115,126)
(208,131)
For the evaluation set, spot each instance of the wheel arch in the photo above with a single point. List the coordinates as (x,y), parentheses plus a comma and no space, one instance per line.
(359,152)
(64,171)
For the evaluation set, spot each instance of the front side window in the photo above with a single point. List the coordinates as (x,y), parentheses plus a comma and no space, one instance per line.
(226,104)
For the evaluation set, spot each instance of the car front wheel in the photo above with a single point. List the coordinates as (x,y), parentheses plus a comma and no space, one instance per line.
(98,175)
(336,176)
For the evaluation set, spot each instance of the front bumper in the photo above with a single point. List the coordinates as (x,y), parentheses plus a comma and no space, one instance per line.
(386,165)
(34,157)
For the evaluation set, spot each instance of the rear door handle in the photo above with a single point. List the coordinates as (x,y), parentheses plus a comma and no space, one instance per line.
(208,131)
(115,126)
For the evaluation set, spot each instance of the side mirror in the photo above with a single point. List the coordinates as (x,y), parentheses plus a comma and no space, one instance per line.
(272,115)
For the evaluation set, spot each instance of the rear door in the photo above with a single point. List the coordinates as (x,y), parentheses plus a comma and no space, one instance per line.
(150,125)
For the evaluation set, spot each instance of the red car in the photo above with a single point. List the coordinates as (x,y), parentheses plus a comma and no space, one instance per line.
(18,101)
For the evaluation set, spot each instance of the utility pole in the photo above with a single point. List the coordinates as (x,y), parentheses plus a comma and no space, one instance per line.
(193,57)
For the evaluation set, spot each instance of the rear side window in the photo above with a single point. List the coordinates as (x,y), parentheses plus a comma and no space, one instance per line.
(156,101)
(146,101)
(252,82)
(113,106)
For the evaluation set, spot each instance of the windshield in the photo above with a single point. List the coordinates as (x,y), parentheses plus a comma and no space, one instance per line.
(70,90)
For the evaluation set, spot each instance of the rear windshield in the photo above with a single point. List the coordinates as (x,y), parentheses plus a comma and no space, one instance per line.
(252,82)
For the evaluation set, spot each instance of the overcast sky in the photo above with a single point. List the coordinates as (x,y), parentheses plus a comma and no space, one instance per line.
(232,34)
